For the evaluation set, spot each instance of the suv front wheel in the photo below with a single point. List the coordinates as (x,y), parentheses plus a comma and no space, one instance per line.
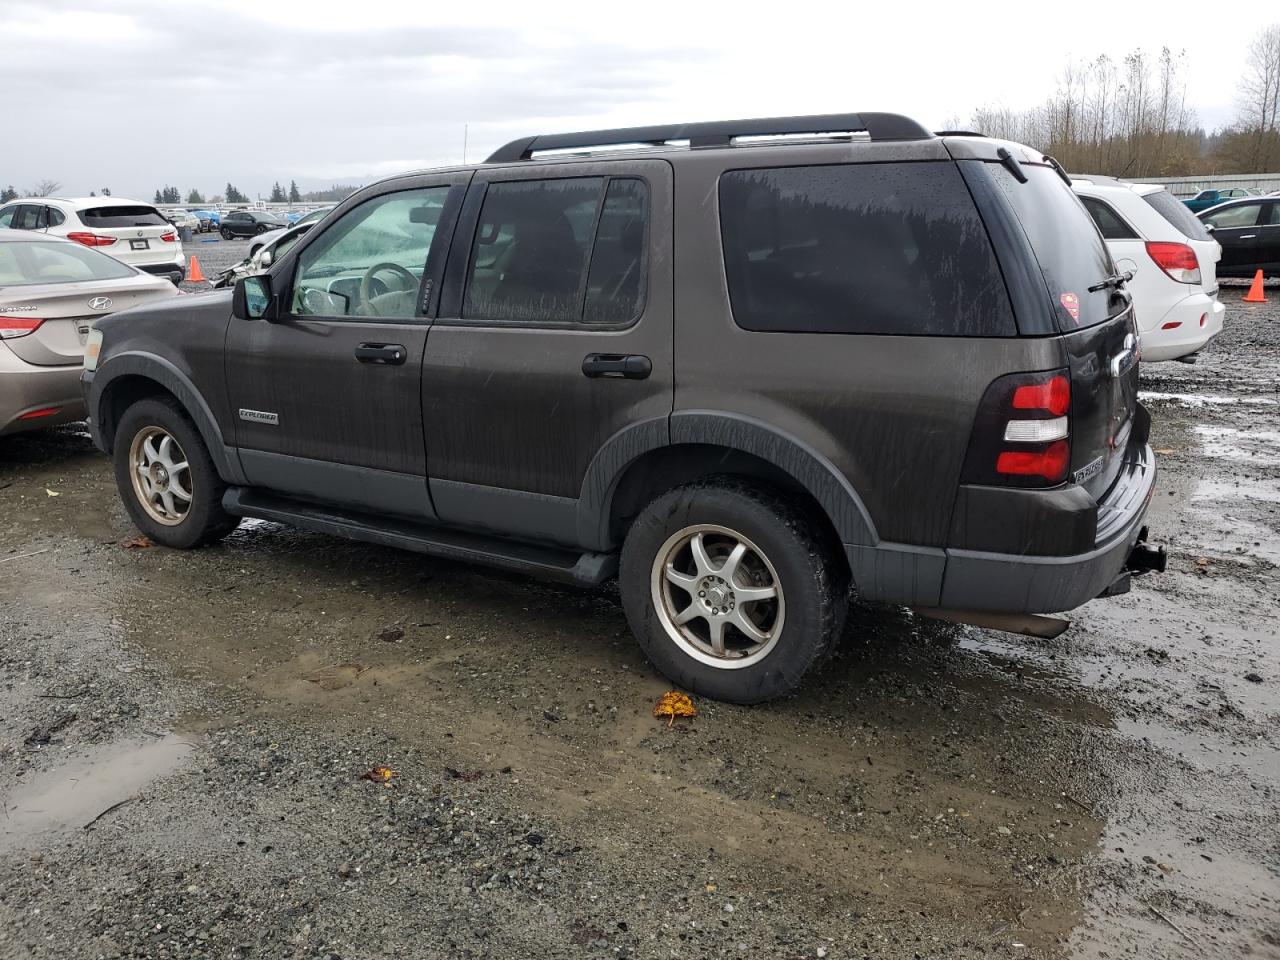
(166,478)
(729,591)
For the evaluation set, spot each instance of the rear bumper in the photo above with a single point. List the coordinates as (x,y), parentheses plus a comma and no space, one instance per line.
(26,388)
(1188,336)
(977,580)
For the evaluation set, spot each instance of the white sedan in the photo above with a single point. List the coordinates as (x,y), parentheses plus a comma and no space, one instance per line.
(51,292)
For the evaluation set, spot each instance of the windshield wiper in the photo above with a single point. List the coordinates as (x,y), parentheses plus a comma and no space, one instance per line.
(1115,281)
(1011,164)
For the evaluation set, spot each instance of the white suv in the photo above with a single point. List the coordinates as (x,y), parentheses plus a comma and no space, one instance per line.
(1173,259)
(128,230)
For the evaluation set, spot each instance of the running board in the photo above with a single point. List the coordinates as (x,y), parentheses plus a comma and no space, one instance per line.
(1027,624)
(546,563)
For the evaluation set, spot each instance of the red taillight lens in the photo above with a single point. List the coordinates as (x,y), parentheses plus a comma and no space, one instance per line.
(91,239)
(13,327)
(42,412)
(1053,397)
(1049,464)
(1176,259)
(169,237)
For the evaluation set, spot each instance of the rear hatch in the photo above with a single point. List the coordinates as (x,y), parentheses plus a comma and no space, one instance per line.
(1208,251)
(135,234)
(1090,310)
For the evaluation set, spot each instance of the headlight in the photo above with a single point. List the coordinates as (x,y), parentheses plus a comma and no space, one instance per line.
(92,347)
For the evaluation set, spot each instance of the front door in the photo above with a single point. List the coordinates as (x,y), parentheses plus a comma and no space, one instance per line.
(1269,239)
(1236,230)
(554,334)
(327,397)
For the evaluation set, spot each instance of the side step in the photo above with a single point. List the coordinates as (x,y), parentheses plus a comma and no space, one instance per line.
(547,563)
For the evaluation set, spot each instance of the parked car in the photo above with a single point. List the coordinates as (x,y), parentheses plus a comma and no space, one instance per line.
(1172,260)
(247,223)
(1249,232)
(209,219)
(183,218)
(263,239)
(1210,198)
(52,291)
(262,255)
(133,232)
(740,374)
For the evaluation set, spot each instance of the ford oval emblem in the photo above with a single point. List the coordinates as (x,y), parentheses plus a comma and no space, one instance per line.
(100,303)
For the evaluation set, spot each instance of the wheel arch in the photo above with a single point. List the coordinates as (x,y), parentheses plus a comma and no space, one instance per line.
(647,459)
(126,378)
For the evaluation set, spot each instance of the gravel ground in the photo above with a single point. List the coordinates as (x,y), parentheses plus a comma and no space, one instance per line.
(935,791)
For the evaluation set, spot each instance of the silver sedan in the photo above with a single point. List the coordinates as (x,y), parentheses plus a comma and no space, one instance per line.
(51,292)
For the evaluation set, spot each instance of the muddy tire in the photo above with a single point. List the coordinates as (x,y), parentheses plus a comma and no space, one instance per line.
(730,591)
(166,478)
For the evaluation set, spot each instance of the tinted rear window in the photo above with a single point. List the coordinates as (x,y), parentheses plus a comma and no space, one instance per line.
(873,248)
(1108,221)
(1176,212)
(25,264)
(138,216)
(1066,243)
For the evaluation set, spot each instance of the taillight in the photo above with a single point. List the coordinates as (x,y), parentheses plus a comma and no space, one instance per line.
(169,237)
(1022,432)
(1176,259)
(13,327)
(91,239)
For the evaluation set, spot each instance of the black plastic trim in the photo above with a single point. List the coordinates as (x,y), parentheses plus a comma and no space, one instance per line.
(506,513)
(562,566)
(384,491)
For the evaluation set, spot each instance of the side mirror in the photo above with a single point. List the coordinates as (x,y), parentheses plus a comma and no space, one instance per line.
(252,298)
(266,258)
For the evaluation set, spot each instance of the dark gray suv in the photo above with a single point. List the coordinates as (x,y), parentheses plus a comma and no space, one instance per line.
(746,367)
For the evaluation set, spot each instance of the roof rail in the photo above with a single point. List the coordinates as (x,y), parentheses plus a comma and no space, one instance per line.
(958,133)
(718,133)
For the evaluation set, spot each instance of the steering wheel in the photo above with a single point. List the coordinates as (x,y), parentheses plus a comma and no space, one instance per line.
(366,296)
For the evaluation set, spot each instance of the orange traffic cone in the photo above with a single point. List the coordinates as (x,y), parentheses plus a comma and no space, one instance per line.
(194,273)
(1255,290)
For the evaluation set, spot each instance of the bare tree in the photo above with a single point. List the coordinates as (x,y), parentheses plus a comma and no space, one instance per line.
(1259,98)
(45,188)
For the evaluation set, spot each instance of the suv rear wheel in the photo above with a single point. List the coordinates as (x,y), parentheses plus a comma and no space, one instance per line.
(728,591)
(166,478)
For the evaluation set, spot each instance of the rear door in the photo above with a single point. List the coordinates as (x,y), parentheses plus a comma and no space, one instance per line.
(554,334)
(1236,230)
(1269,238)
(327,397)
(1096,319)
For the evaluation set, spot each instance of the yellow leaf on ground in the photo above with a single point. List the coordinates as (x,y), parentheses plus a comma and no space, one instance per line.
(675,704)
(52,493)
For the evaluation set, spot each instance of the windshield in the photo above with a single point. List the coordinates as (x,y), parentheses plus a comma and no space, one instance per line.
(1071,252)
(46,261)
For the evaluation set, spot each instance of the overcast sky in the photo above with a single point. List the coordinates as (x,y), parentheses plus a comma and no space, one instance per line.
(135,95)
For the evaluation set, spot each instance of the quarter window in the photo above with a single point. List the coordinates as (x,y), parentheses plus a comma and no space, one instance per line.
(370,262)
(559,251)
(860,248)
(1108,221)
(7,216)
(1245,215)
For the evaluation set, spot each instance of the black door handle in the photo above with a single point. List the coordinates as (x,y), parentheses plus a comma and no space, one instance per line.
(631,366)
(388,354)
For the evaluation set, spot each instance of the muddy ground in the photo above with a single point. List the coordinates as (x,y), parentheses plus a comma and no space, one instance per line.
(935,791)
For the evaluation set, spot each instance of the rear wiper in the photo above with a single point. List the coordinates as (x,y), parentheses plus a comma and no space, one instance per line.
(1115,281)
(1058,169)
(1011,164)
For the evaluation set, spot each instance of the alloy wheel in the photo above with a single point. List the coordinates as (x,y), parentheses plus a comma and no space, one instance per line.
(161,475)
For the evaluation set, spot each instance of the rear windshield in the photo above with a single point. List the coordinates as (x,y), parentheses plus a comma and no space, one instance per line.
(138,216)
(44,261)
(1067,244)
(1176,212)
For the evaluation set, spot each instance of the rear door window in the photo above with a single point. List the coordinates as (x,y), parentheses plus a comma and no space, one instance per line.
(872,248)
(1108,221)
(1071,252)
(568,250)
(123,216)
(1176,212)
(28,217)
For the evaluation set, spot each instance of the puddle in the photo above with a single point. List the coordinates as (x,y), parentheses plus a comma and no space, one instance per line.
(80,788)
(1205,400)
(1244,446)
(1218,490)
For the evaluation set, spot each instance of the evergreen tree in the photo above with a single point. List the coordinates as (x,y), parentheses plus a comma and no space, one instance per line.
(159,197)
(8,193)
(277,193)
(106,192)
(294,195)
(235,196)
(195,197)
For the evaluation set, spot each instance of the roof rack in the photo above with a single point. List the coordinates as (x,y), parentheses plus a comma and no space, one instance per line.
(718,133)
(958,133)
